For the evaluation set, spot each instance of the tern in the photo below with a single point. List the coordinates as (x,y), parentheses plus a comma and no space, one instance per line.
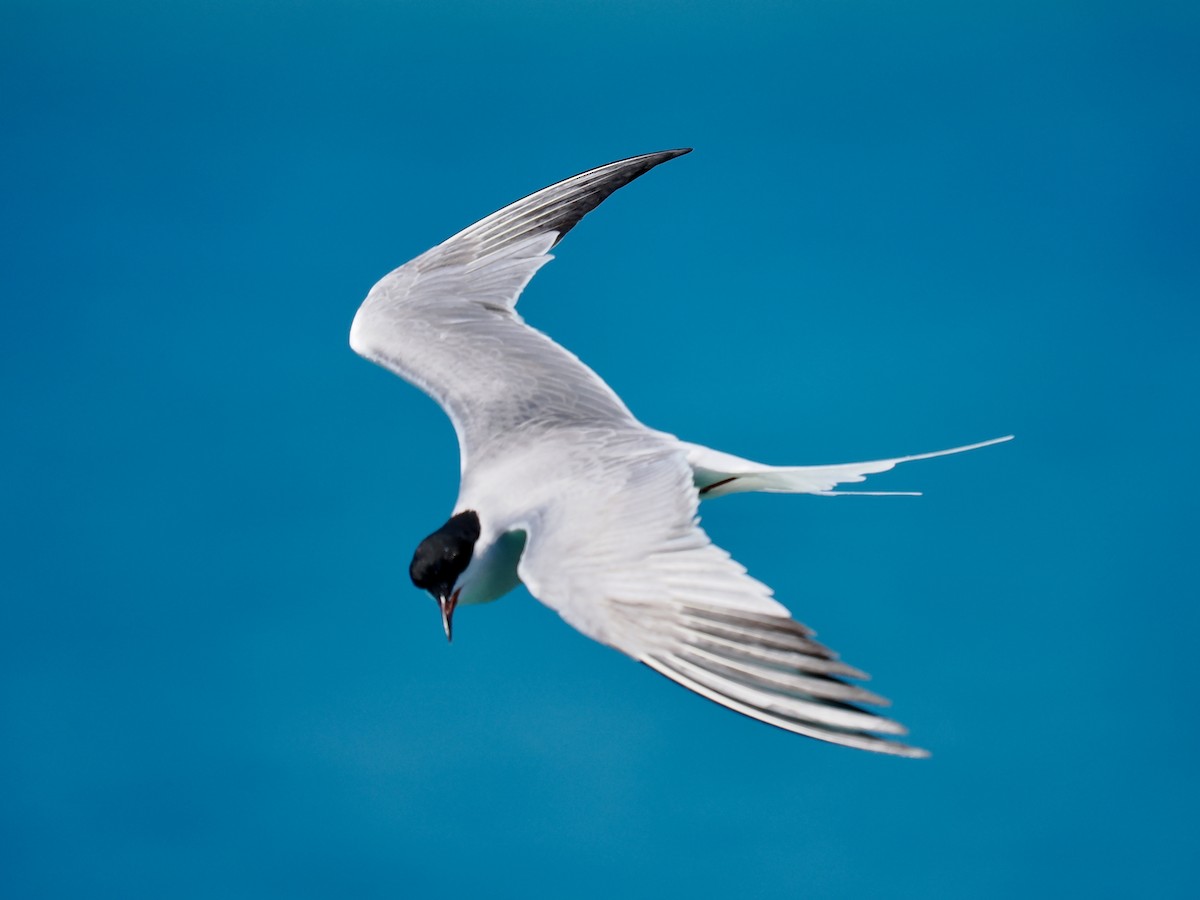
(565,491)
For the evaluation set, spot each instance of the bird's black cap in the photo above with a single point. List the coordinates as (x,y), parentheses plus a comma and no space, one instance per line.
(443,556)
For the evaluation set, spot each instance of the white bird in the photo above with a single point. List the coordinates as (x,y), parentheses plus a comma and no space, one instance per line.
(565,491)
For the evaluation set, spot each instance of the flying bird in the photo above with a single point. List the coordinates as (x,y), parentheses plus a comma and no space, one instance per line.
(564,491)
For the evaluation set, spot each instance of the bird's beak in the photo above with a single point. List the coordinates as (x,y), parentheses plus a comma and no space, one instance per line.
(447,604)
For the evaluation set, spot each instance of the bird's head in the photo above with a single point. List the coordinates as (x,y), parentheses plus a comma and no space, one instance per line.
(441,558)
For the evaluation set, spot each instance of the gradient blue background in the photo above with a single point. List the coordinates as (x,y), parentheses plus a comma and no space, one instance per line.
(905,226)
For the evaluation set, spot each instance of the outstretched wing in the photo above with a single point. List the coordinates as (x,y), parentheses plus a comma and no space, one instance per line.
(631,568)
(446,320)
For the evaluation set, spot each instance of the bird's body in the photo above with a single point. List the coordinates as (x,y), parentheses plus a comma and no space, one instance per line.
(564,490)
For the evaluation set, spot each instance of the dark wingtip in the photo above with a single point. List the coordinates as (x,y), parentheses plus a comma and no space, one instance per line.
(653,159)
(623,171)
(559,208)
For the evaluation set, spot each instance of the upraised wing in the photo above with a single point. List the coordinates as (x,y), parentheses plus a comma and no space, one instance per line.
(630,567)
(446,320)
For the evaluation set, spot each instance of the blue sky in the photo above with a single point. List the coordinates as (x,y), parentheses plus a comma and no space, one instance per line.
(905,226)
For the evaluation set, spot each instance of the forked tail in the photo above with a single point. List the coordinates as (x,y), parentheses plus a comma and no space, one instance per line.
(716,474)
